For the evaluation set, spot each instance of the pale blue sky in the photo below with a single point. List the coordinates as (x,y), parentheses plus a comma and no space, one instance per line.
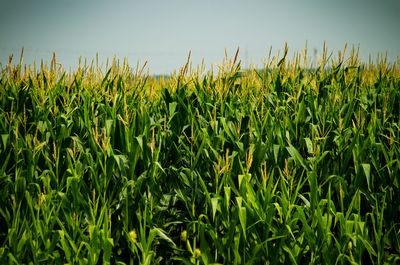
(163,32)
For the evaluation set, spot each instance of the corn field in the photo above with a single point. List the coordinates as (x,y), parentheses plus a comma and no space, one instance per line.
(296,162)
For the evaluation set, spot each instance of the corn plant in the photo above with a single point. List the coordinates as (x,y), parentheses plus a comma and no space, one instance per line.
(294,162)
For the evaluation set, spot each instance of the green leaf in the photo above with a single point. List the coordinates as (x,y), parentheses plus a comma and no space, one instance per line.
(240,179)
(309,145)
(367,172)
(367,245)
(65,247)
(172,108)
(4,139)
(227,195)
(107,250)
(296,156)
(276,152)
(243,219)
(109,124)
(312,179)
(214,204)
(139,140)
(162,234)
(291,255)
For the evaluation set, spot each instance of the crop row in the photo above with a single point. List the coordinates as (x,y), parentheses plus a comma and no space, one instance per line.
(287,164)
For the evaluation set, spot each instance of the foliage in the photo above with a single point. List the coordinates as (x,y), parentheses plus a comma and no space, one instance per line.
(293,163)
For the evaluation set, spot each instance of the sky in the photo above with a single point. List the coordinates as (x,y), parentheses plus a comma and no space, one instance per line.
(163,32)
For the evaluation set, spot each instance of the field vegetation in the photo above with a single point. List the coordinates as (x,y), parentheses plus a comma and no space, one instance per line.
(294,163)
